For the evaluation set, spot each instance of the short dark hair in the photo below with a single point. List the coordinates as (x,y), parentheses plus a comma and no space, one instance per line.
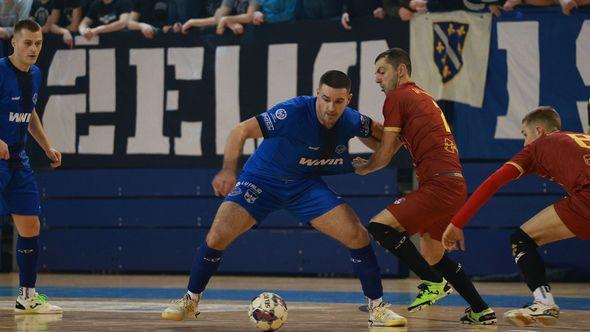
(27,24)
(336,79)
(546,116)
(395,57)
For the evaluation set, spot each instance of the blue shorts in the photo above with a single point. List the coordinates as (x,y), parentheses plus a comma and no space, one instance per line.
(20,194)
(306,198)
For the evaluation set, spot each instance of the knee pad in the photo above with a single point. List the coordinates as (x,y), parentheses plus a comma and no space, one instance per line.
(386,236)
(521,242)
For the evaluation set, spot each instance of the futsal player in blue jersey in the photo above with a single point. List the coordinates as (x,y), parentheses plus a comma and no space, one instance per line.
(20,81)
(305,137)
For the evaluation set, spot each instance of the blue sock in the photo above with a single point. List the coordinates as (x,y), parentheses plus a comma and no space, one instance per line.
(27,251)
(364,265)
(205,265)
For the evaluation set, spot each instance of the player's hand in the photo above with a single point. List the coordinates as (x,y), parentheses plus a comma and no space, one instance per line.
(345,21)
(379,13)
(258,18)
(221,25)
(451,236)
(419,6)
(224,182)
(147,31)
(54,156)
(359,164)
(67,38)
(187,25)
(177,27)
(495,10)
(510,4)
(405,14)
(88,34)
(4,153)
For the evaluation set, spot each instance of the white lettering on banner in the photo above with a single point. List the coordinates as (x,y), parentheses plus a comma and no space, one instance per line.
(59,116)
(281,77)
(582,53)
(102,97)
(333,56)
(227,96)
(102,80)
(59,120)
(149,124)
(371,97)
(188,65)
(521,42)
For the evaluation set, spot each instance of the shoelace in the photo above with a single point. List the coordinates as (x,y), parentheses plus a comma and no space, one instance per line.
(41,298)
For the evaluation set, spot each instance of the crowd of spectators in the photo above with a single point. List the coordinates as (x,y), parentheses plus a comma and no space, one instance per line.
(90,18)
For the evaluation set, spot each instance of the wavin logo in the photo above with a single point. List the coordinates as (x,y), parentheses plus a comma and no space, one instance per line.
(320,162)
(19,117)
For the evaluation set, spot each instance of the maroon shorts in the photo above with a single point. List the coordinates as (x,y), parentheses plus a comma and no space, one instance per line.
(430,208)
(574,212)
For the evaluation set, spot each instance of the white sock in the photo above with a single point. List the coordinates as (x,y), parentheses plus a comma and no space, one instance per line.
(543,294)
(374,303)
(194,296)
(25,292)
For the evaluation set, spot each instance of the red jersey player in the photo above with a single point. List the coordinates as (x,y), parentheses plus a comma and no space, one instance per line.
(563,157)
(413,118)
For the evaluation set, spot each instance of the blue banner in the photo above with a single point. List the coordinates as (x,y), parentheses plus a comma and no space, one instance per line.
(537,57)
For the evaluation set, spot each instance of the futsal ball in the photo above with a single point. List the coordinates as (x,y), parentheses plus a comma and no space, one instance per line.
(268,312)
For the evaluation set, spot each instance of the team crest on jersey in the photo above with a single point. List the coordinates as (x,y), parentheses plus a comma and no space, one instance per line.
(250,196)
(340,149)
(281,114)
(449,42)
(35,96)
(237,191)
(399,201)
(587,159)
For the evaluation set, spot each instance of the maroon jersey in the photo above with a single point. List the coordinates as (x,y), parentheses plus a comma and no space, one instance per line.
(562,157)
(423,129)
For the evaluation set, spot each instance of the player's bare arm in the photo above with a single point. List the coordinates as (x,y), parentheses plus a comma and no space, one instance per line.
(36,130)
(225,180)
(373,141)
(4,153)
(390,143)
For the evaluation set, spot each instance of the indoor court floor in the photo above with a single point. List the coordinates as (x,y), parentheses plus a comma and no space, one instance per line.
(134,303)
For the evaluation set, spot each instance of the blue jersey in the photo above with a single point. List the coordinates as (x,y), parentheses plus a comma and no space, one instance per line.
(18,95)
(297,146)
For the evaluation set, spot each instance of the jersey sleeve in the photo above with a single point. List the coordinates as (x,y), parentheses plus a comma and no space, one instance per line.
(360,124)
(274,121)
(392,113)
(523,161)
(482,194)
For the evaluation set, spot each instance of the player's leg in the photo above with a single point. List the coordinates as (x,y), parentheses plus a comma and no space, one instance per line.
(27,253)
(389,233)
(21,195)
(545,227)
(433,251)
(342,224)
(230,222)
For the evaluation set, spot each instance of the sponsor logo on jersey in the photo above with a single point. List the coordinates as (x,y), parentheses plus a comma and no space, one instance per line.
(365,125)
(281,114)
(320,162)
(19,117)
(35,96)
(267,122)
(340,149)
(16,98)
(314,148)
